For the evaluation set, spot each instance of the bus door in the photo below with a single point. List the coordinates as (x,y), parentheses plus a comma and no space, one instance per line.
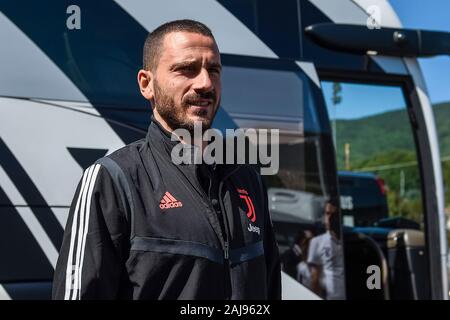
(373,132)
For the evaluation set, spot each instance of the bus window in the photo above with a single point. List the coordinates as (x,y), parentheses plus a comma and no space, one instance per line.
(372,135)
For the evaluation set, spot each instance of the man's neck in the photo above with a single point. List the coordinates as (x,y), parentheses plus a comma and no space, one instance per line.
(162,122)
(166,127)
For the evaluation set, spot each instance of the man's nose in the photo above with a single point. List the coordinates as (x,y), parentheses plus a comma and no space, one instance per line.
(203,81)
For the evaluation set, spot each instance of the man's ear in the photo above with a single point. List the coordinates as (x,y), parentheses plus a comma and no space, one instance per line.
(145,81)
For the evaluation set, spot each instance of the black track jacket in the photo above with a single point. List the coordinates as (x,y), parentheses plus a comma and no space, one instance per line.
(141,227)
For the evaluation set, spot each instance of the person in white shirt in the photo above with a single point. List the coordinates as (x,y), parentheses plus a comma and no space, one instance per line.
(325,260)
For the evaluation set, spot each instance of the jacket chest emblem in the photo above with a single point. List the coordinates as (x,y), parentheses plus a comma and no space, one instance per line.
(251,214)
(168,201)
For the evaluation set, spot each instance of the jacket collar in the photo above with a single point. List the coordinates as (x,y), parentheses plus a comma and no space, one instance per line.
(161,139)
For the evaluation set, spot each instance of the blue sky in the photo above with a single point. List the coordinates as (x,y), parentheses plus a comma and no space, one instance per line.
(362,100)
(430,15)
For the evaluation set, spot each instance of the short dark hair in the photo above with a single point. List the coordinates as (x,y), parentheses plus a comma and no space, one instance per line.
(154,40)
(332,201)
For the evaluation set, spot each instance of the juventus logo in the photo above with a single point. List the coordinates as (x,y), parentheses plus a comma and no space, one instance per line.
(251,214)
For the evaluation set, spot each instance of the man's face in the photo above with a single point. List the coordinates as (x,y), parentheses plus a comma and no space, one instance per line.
(329,211)
(187,83)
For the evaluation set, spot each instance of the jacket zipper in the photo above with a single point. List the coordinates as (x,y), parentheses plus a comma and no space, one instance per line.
(226,232)
(226,236)
(227,284)
(226,250)
(226,245)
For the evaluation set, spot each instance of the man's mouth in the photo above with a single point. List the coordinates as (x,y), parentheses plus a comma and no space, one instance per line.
(200,104)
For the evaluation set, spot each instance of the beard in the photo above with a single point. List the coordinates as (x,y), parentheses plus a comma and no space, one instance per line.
(177,117)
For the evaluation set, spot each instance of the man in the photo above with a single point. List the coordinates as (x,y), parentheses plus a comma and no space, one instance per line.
(325,259)
(142,227)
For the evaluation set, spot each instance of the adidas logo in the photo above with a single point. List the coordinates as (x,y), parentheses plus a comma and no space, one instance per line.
(168,201)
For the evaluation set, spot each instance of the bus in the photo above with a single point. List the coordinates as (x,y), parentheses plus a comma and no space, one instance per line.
(68,96)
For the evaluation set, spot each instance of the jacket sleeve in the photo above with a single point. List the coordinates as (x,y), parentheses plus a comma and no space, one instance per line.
(271,252)
(91,259)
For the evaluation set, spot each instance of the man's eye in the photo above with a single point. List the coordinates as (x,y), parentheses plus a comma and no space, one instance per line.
(188,69)
(214,71)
